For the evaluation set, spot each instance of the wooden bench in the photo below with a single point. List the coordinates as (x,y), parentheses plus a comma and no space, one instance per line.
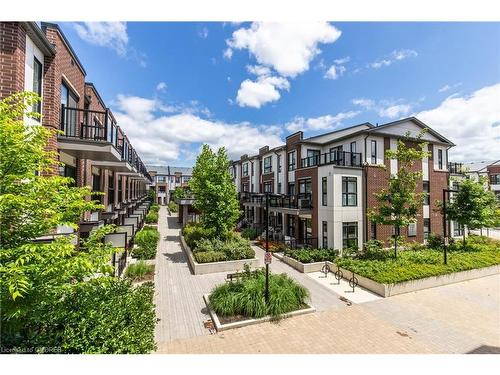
(237,275)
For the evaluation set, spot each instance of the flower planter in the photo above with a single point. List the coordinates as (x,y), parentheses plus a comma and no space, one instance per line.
(214,267)
(250,321)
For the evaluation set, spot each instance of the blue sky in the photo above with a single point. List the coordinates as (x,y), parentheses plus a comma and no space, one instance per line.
(173,86)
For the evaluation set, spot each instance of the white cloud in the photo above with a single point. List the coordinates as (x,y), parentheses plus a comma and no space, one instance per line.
(326,122)
(394,56)
(104,34)
(342,61)
(286,47)
(203,33)
(111,35)
(162,86)
(335,72)
(384,108)
(160,138)
(394,111)
(228,53)
(449,87)
(258,70)
(468,121)
(264,90)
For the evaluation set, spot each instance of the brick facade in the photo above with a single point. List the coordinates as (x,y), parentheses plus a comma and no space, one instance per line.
(12,58)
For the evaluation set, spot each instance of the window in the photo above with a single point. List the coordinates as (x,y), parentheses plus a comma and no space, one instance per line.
(268,187)
(251,169)
(412,229)
(374,152)
(245,169)
(253,190)
(353,146)
(68,171)
(278,162)
(177,179)
(245,187)
(37,83)
(458,229)
(325,235)
(426,189)
(268,164)
(336,153)
(350,235)
(162,189)
(305,186)
(495,179)
(111,189)
(349,191)
(291,160)
(440,159)
(69,99)
(427,228)
(291,188)
(324,191)
(291,225)
(373,232)
(279,187)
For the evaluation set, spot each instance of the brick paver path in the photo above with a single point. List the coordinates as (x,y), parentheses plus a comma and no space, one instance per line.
(457,318)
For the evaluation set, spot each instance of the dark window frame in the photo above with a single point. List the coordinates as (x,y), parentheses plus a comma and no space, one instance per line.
(324,191)
(268,164)
(346,194)
(348,240)
(292,160)
(373,151)
(325,234)
(244,169)
(426,227)
(37,84)
(440,158)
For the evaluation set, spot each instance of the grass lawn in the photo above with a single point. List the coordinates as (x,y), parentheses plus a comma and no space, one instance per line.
(411,265)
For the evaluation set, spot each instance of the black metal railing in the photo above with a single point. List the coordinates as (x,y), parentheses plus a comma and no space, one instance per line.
(98,126)
(455,168)
(298,201)
(341,158)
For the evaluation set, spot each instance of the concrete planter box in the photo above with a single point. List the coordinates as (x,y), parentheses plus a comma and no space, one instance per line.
(387,290)
(243,323)
(227,266)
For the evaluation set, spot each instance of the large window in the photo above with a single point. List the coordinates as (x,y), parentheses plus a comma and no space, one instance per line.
(426,189)
(336,153)
(252,172)
(268,187)
(427,228)
(305,186)
(325,235)
(312,157)
(440,159)
(324,191)
(111,189)
(68,171)
(278,162)
(291,225)
(353,147)
(349,191)
(458,229)
(412,229)
(350,235)
(268,164)
(291,161)
(96,187)
(37,83)
(374,152)
(120,189)
(495,179)
(245,169)
(69,99)
(291,188)
(279,187)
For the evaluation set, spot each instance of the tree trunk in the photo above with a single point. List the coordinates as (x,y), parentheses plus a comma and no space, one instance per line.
(463,240)
(396,235)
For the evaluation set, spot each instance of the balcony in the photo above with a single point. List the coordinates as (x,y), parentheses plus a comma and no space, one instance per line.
(300,204)
(89,134)
(339,158)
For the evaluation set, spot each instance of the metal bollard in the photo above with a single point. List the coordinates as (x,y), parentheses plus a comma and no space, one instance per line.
(325,269)
(338,275)
(353,282)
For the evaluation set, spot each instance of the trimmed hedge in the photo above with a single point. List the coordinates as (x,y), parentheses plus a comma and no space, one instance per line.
(147,242)
(151,217)
(215,250)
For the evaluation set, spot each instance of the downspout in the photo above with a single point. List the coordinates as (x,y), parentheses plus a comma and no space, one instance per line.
(365,203)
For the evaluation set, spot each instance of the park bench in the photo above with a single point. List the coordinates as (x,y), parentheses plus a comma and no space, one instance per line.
(237,275)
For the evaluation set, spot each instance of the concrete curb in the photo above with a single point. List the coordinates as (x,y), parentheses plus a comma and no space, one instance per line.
(224,327)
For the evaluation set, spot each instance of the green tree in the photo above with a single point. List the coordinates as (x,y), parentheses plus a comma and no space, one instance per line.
(214,191)
(33,203)
(473,206)
(179,193)
(399,203)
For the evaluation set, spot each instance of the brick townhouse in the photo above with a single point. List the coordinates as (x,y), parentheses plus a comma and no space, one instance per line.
(323,186)
(92,148)
(167,179)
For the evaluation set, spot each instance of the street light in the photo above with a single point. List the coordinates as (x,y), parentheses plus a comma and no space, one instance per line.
(445,235)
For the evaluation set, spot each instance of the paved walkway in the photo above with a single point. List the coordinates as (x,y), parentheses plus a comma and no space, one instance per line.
(458,318)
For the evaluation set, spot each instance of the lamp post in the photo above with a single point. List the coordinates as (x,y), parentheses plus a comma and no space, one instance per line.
(445,234)
(266,295)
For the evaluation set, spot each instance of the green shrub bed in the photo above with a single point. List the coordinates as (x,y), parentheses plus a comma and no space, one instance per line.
(172,206)
(147,241)
(246,297)
(151,217)
(207,248)
(140,271)
(313,255)
(249,233)
(480,252)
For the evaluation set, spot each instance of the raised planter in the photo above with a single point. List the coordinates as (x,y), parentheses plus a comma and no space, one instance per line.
(248,322)
(387,290)
(214,267)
